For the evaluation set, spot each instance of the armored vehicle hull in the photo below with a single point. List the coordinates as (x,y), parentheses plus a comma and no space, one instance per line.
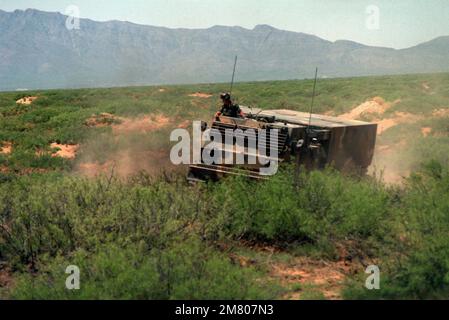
(311,140)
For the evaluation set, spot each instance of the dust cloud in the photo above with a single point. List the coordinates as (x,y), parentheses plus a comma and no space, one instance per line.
(388,162)
(128,146)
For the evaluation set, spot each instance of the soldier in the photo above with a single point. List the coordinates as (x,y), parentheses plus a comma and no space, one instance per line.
(229,109)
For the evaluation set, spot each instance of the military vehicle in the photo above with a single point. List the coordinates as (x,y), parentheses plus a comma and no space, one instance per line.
(310,140)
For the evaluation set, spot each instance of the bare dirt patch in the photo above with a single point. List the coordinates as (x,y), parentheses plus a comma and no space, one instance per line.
(128,162)
(134,147)
(144,124)
(441,113)
(162,90)
(307,274)
(93,169)
(26,100)
(122,125)
(385,124)
(101,120)
(326,277)
(67,151)
(399,118)
(200,95)
(5,147)
(375,108)
(426,131)
(376,105)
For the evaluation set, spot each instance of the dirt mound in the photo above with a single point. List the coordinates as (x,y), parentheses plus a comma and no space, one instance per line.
(162,90)
(101,120)
(144,124)
(200,95)
(376,105)
(5,147)
(375,108)
(399,118)
(26,100)
(67,151)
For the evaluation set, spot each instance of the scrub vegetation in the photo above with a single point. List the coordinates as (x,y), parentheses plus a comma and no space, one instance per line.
(145,233)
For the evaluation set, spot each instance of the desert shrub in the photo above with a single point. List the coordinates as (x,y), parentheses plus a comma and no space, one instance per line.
(58,216)
(327,206)
(187,270)
(419,267)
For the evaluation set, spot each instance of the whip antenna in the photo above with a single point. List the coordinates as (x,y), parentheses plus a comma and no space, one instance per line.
(233,74)
(313,98)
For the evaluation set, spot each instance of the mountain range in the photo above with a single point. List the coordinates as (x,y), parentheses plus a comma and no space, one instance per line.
(38,51)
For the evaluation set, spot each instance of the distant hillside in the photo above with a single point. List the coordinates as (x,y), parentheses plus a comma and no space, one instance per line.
(38,51)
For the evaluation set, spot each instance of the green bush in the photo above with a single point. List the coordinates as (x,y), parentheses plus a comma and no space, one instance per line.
(58,216)
(326,207)
(185,271)
(146,226)
(418,266)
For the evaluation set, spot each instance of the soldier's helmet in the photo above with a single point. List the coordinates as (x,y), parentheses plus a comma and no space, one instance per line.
(225,96)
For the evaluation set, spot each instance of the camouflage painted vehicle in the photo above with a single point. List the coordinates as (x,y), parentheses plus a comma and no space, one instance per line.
(311,140)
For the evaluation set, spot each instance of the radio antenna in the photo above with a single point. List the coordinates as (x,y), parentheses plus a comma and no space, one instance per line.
(233,74)
(313,98)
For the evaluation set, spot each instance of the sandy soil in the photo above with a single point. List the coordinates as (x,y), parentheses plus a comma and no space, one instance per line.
(441,113)
(398,118)
(126,163)
(93,169)
(426,131)
(325,277)
(122,125)
(376,105)
(5,147)
(384,163)
(101,120)
(26,100)
(143,124)
(200,95)
(134,155)
(65,150)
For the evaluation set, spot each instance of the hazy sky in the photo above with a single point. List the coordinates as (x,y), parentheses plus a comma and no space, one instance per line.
(401,23)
